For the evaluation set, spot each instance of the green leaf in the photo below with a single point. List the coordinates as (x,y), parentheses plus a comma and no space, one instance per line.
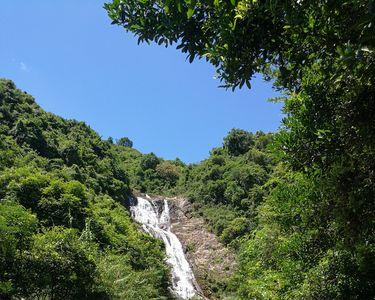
(191,58)
(190,12)
(248,84)
(311,21)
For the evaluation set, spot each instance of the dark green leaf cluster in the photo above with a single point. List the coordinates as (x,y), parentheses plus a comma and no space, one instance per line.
(227,187)
(125,142)
(148,173)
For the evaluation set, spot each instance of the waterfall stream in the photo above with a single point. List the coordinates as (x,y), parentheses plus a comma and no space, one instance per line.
(157,223)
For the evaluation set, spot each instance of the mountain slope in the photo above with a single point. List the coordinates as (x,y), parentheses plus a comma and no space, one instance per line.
(64,230)
(64,195)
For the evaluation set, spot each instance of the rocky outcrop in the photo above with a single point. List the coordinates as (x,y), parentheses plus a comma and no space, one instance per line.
(211,261)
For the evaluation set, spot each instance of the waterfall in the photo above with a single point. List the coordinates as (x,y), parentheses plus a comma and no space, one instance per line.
(157,224)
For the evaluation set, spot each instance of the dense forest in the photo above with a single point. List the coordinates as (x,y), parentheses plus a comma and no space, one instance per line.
(65,232)
(295,206)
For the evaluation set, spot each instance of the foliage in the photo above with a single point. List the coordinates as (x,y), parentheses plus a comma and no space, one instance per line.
(63,223)
(227,187)
(243,37)
(299,250)
(238,142)
(149,162)
(125,142)
(17,226)
(59,265)
(314,237)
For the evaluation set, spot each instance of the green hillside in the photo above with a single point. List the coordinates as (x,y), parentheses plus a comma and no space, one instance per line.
(65,232)
(64,197)
(299,230)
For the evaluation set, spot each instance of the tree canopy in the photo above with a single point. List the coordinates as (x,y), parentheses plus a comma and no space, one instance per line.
(124,141)
(276,37)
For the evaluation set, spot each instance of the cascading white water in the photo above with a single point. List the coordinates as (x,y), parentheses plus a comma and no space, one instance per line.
(158,225)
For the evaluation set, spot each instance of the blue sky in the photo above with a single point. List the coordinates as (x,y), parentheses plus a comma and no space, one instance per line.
(68,56)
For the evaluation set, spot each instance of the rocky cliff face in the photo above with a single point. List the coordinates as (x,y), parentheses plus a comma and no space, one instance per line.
(211,261)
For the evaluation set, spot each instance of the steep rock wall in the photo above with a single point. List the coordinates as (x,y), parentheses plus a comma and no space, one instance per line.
(211,261)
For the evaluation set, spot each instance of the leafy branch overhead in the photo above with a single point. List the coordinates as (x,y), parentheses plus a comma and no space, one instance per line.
(240,38)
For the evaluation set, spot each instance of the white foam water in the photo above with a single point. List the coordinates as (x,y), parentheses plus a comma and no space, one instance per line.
(158,225)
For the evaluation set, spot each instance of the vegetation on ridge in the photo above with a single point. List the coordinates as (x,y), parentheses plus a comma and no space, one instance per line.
(64,193)
(64,230)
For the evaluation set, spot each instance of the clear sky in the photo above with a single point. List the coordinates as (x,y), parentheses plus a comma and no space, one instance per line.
(77,65)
